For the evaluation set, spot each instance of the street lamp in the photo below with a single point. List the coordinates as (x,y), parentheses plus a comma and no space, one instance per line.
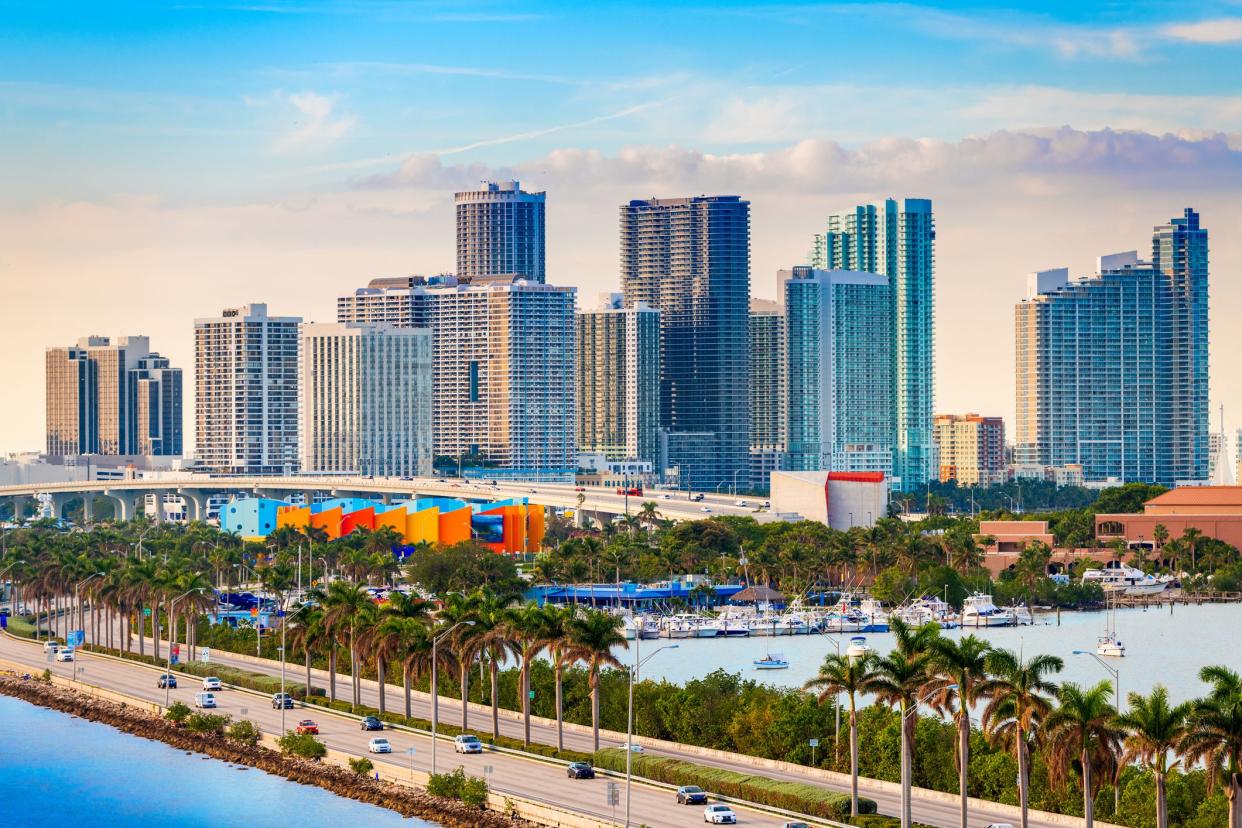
(1115,672)
(172,609)
(435,692)
(629,718)
(906,770)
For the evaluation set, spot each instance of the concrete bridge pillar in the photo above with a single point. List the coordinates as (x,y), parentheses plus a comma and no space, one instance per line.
(88,508)
(156,501)
(123,503)
(59,502)
(195,504)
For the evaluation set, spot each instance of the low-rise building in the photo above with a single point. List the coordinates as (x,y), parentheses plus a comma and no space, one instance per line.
(1216,511)
(841,500)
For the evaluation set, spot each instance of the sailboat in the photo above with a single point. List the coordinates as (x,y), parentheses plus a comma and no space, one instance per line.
(1109,644)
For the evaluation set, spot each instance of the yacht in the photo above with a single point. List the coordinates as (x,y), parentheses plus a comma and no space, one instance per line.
(1122,579)
(707,628)
(1110,645)
(675,626)
(649,628)
(733,626)
(1022,616)
(979,611)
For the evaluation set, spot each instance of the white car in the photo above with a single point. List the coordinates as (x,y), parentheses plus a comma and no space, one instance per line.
(467,744)
(379,745)
(65,654)
(636,748)
(705,508)
(719,815)
(212,683)
(741,503)
(50,646)
(204,700)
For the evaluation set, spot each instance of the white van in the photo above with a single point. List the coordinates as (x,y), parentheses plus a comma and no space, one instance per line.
(204,699)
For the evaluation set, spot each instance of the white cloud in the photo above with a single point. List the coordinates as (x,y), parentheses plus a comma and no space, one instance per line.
(311,123)
(1225,30)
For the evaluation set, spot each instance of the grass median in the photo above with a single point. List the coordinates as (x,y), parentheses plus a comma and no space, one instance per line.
(799,797)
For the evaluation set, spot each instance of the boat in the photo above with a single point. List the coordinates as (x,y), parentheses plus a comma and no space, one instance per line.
(857,648)
(1110,645)
(979,611)
(1120,578)
(733,626)
(630,628)
(675,627)
(771,661)
(1022,616)
(649,629)
(707,628)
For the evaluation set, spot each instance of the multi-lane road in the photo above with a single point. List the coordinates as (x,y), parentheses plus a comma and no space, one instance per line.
(928,807)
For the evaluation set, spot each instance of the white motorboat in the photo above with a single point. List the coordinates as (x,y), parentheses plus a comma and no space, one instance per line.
(1117,577)
(1022,616)
(675,627)
(630,628)
(1110,645)
(707,628)
(857,648)
(979,611)
(650,628)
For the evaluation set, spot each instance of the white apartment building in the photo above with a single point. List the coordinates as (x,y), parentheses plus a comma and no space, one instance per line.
(246,392)
(366,400)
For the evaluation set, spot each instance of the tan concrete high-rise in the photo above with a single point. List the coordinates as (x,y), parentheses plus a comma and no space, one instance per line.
(971,448)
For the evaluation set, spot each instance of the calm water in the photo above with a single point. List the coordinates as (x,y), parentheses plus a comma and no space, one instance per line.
(1159,649)
(56,770)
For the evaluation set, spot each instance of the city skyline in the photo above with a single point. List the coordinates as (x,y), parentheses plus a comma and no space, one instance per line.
(287,173)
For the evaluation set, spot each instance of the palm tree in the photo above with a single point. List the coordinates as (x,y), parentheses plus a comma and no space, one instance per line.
(843,674)
(960,671)
(1018,702)
(1192,537)
(1153,732)
(593,637)
(307,630)
(899,680)
(558,632)
(1083,729)
(344,606)
(527,628)
(456,609)
(492,638)
(1214,736)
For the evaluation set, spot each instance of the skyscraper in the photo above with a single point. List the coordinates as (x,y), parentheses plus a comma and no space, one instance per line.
(767,391)
(500,231)
(246,392)
(618,387)
(690,259)
(502,368)
(897,239)
(1112,368)
(1179,253)
(366,400)
(839,368)
(98,398)
(971,449)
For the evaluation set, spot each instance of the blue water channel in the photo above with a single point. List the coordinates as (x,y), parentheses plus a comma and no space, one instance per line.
(58,770)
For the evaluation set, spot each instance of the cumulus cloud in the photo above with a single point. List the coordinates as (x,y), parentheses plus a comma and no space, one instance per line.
(1226,30)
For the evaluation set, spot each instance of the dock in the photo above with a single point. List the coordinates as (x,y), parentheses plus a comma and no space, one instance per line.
(1173,597)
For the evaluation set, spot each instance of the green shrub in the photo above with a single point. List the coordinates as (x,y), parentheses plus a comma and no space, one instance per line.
(304,745)
(361,766)
(206,723)
(447,785)
(800,797)
(474,791)
(880,821)
(46,676)
(244,731)
(177,712)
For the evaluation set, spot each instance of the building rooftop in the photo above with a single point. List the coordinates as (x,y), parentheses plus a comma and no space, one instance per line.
(1223,496)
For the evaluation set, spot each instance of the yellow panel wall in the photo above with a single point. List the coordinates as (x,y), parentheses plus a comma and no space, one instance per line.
(424,526)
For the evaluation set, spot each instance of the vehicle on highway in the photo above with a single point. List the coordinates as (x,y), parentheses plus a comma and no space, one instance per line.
(698,498)
(50,646)
(167,682)
(795,825)
(580,770)
(212,683)
(635,748)
(666,497)
(307,727)
(691,795)
(706,508)
(467,744)
(379,745)
(65,655)
(282,700)
(999,825)
(632,491)
(719,815)
(372,723)
(741,503)
(204,700)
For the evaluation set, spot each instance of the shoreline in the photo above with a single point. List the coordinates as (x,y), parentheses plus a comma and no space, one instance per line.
(402,799)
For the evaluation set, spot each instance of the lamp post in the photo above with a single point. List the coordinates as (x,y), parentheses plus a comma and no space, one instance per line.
(172,608)
(1115,672)
(906,770)
(736,472)
(435,692)
(629,718)
(284,626)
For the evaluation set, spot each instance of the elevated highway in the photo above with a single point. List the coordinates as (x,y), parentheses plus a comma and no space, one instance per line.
(603,504)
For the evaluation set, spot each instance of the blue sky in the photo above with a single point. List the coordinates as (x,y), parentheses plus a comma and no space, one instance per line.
(162,160)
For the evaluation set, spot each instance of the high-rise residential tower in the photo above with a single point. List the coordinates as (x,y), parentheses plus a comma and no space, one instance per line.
(1112,368)
(897,239)
(690,259)
(839,370)
(618,388)
(366,400)
(503,375)
(971,449)
(99,397)
(246,392)
(500,231)
(767,391)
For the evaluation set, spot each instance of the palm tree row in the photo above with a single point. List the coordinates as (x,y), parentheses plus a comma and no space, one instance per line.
(1077,729)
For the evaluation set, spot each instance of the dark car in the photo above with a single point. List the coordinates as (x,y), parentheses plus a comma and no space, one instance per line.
(580,770)
(282,700)
(372,723)
(691,795)
(167,681)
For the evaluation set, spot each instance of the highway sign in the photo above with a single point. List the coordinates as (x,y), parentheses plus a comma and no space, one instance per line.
(813,743)
(206,654)
(146,611)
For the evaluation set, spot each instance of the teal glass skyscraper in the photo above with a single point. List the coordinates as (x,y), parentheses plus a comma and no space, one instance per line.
(839,370)
(897,239)
(1112,369)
